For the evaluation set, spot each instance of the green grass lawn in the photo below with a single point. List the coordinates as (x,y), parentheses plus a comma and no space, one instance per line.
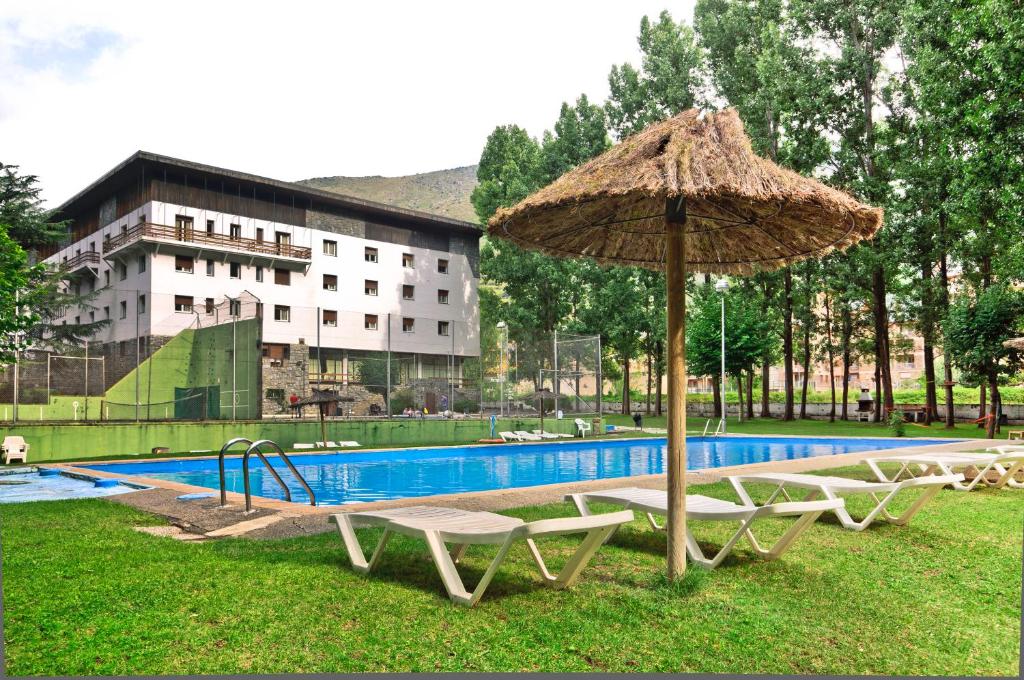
(83,593)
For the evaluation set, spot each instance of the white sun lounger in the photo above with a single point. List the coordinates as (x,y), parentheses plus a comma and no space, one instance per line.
(654,502)
(323,445)
(462,528)
(509,437)
(834,487)
(347,444)
(1006,463)
(527,436)
(298,445)
(552,435)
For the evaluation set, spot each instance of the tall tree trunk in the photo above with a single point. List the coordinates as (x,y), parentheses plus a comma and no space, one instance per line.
(807,370)
(660,368)
(881,318)
(845,338)
(947,361)
(981,405)
(831,358)
(928,335)
(878,391)
(766,406)
(739,396)
(993,413)
(787,342)
(750,393)
(626,407)
(649,378)
(716,395)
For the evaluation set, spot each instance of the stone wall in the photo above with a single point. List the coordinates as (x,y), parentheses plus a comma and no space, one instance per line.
(288,375)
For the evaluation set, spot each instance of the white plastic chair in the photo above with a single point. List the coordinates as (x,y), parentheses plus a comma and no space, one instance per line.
(582,427)
(15,448)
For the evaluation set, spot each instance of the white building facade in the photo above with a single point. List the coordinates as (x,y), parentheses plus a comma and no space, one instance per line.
(165,241)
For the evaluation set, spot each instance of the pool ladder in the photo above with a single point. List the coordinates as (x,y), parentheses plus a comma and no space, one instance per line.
(254,447)
(718,428)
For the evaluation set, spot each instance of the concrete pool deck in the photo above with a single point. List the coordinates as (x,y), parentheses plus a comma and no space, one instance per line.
(278,519)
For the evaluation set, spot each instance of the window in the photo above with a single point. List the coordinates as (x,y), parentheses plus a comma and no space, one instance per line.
(209,306)
(282,238)
(408,292)
(236,232)
(442,328)
(209,226)
(106,312)
(236,270)
(408,325)
(184,263)
(370,322)
(282,277)
(78,320)
(123,347)
(330,317)
(210,267)
(442,297)
(331,248)
(370,254)
(370,287)
(123,310)
(282,313)
(235,307)
(142,304)
(122,270)
(442,266)
(259,234)
(124,227)
(276,353)
(330,282)
(92,246)
(142,263)
(259,273)
(92,316)
(183,303)
(407,260)
(106,278)
(275,394)
(142,218)
(182,228)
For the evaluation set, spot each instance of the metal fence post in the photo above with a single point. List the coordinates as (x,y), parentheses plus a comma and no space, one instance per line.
(86,416)
(387,386)
(138,361)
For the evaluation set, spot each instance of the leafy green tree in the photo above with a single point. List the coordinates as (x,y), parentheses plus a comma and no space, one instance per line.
(28,223)
(17,279)
(580,134)
(668,81)
(975,330)
(508,171)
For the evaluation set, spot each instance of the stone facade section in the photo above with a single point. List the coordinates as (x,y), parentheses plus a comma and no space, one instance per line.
(335,223)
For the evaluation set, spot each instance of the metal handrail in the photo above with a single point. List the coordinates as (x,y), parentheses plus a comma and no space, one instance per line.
(220,464)
(255,448)
(705,434)
(188,235)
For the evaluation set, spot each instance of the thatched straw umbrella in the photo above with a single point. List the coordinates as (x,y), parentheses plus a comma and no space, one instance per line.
(540,395)
(1014,343)
(686,192)
(322,398)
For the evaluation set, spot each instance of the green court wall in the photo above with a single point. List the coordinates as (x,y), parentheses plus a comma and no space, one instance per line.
(91,440)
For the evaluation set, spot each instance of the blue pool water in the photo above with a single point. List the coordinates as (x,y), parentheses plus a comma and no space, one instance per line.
(358,477)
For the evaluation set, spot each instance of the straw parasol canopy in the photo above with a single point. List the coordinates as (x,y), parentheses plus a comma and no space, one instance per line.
(1014,343)
(743,213)
(685,192)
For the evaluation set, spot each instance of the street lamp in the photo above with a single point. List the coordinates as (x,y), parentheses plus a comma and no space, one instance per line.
(722,287)
(503,364)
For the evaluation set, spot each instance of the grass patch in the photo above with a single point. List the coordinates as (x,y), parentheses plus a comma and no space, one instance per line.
(86,594)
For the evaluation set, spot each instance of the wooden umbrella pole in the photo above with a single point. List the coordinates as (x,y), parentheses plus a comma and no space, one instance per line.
(675,289)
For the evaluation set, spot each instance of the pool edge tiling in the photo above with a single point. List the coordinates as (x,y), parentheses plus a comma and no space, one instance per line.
(343,479)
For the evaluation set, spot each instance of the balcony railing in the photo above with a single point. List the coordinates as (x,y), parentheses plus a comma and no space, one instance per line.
(162,232)
(86,259)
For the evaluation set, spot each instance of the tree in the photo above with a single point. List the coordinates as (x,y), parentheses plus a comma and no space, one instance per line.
(27,222)
(666,83)
(17,279)
(975,330)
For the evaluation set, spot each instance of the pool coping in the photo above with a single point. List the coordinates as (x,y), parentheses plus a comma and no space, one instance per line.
(541,493)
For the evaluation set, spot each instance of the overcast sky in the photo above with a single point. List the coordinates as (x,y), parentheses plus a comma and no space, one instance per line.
(296,89)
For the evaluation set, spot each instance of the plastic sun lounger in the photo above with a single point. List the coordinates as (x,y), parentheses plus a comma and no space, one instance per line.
(462,528)
(297,446)
(510,437)
(552,435)
(527,436)
(1006,461)
(323,445)
(654,502)
(346,444)
(834,487)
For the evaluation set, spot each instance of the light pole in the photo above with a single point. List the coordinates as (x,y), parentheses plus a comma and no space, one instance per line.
(722,287)
(503,365)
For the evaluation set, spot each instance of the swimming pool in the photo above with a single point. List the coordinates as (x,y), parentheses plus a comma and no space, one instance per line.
(383,475)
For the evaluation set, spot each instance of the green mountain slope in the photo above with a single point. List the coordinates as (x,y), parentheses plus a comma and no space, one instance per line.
(442,192)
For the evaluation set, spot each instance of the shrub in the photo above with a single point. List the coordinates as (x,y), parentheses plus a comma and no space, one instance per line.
(400,400)
(896,424)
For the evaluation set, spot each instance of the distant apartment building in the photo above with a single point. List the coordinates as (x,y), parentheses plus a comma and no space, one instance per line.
(163,241)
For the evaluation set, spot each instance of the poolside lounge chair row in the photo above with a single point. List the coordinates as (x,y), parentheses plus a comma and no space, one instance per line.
(534,436)
(324,445)
(461,528)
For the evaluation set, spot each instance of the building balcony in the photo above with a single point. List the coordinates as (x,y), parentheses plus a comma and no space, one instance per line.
(83,264)
(163,239)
